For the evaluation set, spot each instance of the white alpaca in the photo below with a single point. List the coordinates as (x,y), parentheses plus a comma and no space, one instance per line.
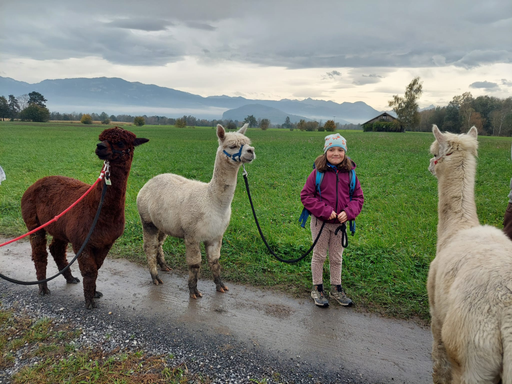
(198,212)
(470,279)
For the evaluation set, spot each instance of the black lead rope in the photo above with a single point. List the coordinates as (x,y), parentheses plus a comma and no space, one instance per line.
(263,237)
(344,236)
(103,192)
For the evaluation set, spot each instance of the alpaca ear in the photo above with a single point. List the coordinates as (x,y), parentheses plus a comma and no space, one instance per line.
(473,132)
(221,132)
(243,129)
(139,141)
(437,133)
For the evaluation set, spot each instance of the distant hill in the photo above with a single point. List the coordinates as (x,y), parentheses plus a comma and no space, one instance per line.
(118,96)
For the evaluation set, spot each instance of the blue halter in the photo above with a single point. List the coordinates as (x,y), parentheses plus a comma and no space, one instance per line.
(234,156)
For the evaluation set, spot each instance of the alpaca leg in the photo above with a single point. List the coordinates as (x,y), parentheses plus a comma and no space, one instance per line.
(58,251)
(213,253)
(151,248)
(89,271)
(160,256)
(442,370)
(40,258)
(193,256)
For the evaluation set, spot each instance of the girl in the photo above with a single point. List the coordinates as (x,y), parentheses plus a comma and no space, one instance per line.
(334,207)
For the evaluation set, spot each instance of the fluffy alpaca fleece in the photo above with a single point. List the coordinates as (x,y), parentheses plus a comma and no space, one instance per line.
(51,195)
(198,212)
(470,279)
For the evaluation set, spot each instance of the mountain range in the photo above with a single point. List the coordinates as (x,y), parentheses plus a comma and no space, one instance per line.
(118,96)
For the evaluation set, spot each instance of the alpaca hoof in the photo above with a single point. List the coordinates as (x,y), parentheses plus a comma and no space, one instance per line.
(157,280)
(222,288)
(98,294)
(90,305)
(195,294)
(73,280)
(44,291)
(165,268)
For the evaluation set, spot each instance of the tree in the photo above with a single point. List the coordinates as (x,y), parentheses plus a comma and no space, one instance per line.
(231,125)
(264,124)
(301,125)
(406,108)
(287,123)
(251,120)
(36,113)
(180,123)
(23,101)
(499,116)
(330,125)
(14,107)
(37,98)
(4,108)
(311,126)
(139,121)
(86,119)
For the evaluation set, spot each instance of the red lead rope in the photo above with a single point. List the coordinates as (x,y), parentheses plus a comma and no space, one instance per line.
(102,174)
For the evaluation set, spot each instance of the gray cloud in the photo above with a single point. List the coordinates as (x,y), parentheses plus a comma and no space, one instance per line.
(203,26)
(332,75)
(142,24)
(486,85)
(155,32)
(506,83)
(368,79)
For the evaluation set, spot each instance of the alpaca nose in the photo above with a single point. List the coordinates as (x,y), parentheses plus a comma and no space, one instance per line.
(101,146)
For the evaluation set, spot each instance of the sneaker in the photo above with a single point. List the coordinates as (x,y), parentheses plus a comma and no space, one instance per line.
(338,294)
(319,298)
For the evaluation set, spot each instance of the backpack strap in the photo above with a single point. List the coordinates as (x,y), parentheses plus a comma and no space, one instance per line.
(318,181)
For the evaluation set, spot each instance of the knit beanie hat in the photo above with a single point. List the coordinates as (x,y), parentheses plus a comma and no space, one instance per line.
(335,140)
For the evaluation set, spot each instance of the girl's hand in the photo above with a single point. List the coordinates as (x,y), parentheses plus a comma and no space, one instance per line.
(342,217)
(333,215)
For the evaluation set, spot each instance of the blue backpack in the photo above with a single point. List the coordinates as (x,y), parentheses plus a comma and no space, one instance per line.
(319,177)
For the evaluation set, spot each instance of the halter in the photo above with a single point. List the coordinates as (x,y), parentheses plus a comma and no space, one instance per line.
(234,156)
(126,151)
(437,160)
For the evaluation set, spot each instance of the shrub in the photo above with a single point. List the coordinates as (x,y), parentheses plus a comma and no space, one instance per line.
(180,123)
(264,124)
(330,125)
(106,121)
(311,125)
(139,121)
(86,119)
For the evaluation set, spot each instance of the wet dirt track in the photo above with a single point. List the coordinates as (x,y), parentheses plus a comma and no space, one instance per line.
(275,332)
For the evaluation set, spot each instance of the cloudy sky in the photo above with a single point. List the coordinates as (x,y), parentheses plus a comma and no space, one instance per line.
(344,51)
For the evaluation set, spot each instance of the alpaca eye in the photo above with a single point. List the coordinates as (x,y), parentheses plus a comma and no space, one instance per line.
(120,144)
(233,147)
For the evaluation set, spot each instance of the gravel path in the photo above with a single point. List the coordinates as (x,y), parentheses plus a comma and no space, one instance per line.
(243,336)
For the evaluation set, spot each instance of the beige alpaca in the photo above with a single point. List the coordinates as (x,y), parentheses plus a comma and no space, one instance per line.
(470,280)
(198,212)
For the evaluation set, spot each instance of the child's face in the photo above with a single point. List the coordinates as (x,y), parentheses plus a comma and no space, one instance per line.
(335,155)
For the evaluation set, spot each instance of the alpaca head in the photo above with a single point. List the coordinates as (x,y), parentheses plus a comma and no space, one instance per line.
(449,147)
(117,144)
(235,145)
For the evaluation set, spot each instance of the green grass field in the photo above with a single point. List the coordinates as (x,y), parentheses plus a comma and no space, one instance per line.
(386,264)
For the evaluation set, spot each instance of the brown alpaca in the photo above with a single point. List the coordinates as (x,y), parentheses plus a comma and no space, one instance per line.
(51,195)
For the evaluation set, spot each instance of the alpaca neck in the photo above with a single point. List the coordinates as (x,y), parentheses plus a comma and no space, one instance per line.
(222,186)
(457,208)
(116,192)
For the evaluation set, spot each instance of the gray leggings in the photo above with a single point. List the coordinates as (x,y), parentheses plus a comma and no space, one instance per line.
(328,242)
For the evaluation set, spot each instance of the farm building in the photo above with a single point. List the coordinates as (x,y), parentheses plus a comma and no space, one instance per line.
(383,118)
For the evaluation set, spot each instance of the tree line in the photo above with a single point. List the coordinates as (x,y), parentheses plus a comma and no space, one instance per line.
(490,115)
